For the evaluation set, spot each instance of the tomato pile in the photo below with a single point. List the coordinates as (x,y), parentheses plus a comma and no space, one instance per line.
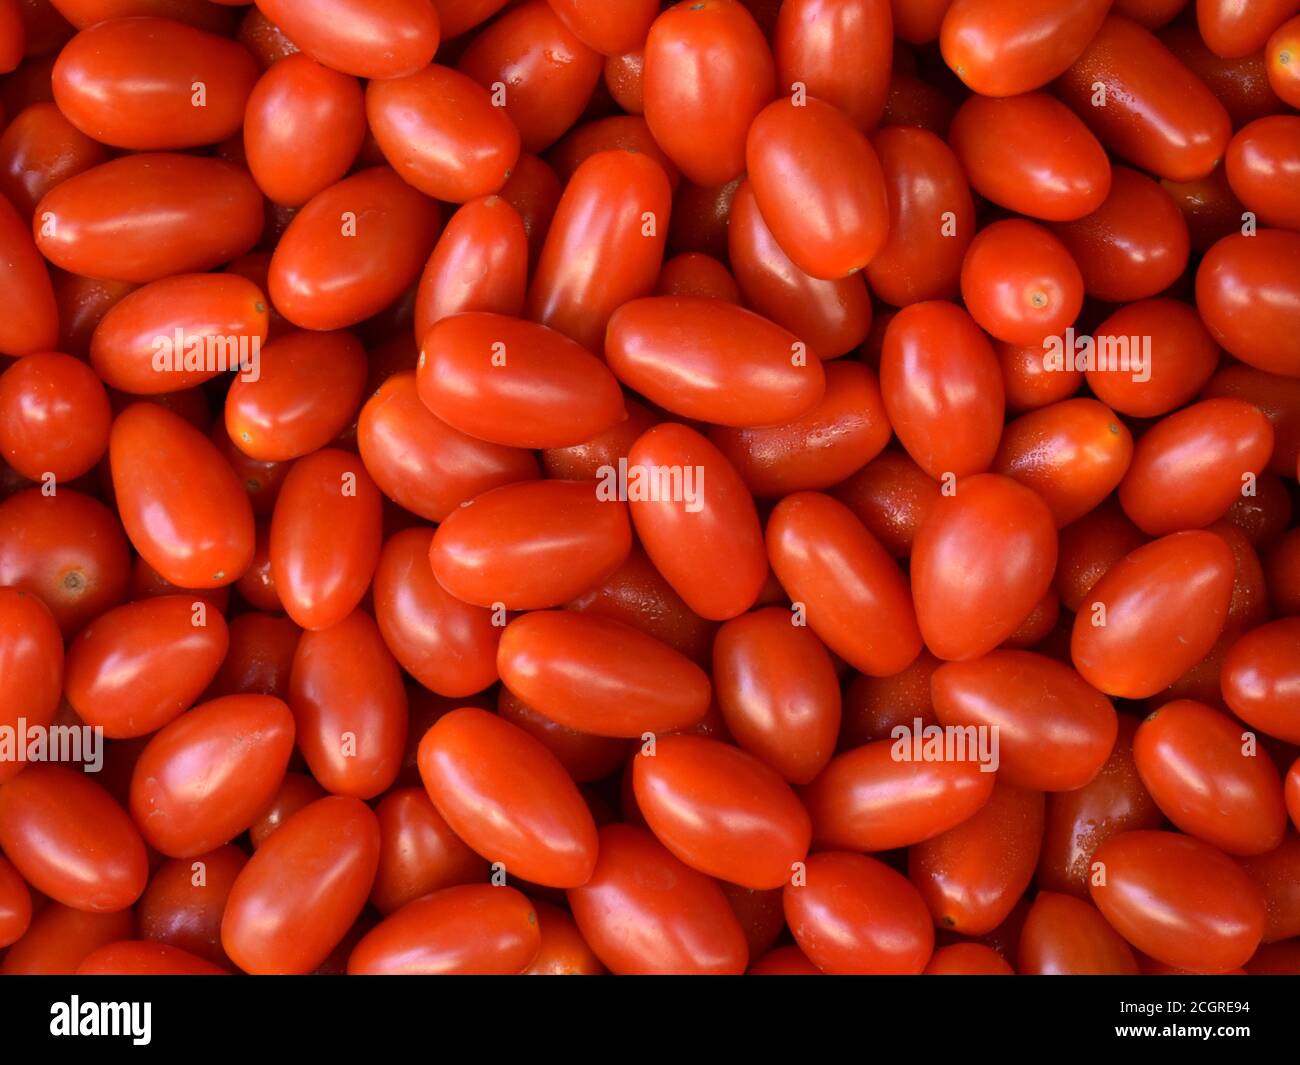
(581,486)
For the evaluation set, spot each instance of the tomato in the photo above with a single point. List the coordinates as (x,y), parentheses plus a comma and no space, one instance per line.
(610,30)
(418,851)
(302,889)
(601,676)
(708,73)
(714,361)
(303,126)
(840,51)
(972,875)
(967,959)
(1260,272)
(54,417)
(643,912)
(1065,936)
(512,382)
(346,694)
(32,321)
(467,930)
(1179,900)
(1283,69)
(819,186)
(1232,30)
(695,274)
(152,84)
(622,76)
(352,250)
(183,903)
(840,576)
(15,905)
(1157,114)
(628,133)
(1276,875)
(563,952)
(296,791)
(31,667)
(60,937)
(982,560)
(855,915)
(70,840)
(1259,679)
(143,958)
(442,134)
(39,149)
(1001,49)
(585,757)
(137,667)
(891,496)
(1263,168)
(370,40)
(874,706)
(148,216)
(1279,399)
(919,21)
(1282,569)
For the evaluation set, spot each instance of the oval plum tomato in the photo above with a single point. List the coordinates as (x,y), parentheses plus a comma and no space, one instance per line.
(54,417)
(853,915)
(604,247)
(137,667)
(601,676)
(1231,29)
(425,465)
(983,558)
(70,839)
(189,517)
(1054,731)
(1261,679)
(564,952)
(1157,114)
(515,383)
(942,388)
(60,937)
(1169,598)
(1248,293)
(1263,168)
(360,37)
(696,520)
(442,134)
(145,958)
(31,668)
(303,888)
(242,741)
(1001,48)
(643,912)
(418,851)
(183,903)
(1279,399)
(148,216)
(714,361)
(347,698)
(509,798)
(31,322)
(852,593)
(1064,936)
(1179,900)
(153,84)
(609,30)
(1210,779)
(778,692)
(708,73)
(695,274)
(303,127)
(721,811)
(448,646)
(465,930)
(352,250)
(40,149)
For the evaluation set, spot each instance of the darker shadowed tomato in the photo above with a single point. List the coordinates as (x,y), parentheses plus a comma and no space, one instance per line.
(563,952)
(891,496)
(60,937)
(31,666)
(967,959)
(418,851)
(464,930)
(303,888)
(1279,399)
(70,839)
(54,417)
(695,274)
(875,706)
(508,798)
(189,517)
(840,50)
(40,149)
(361,37)
(585,757)
(983,558)
(1278,875)
(1178,900)
(296,791)
(1064,936)
(260,655)
(1248,293)
(1233,29)
(1261,679)
(854,915)
(145,958)
(721,811)
(643,912)
(1089,547)
(183,903)
(31,319)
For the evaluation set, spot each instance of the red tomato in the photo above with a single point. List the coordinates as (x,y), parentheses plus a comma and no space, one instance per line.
(183,903)
(40,149)
(60,937)
(967,959)
(891,496)
(1262,273)
(695,274)
(1263,168)
(31,667)
(840,50)
(1064,936)
(418,852)
(1260,679)
(1232,29)
(388,39)
(564,952)
(15,905)
(610,29)
(31,322)
(143,958)
(54,417)
(1283,70)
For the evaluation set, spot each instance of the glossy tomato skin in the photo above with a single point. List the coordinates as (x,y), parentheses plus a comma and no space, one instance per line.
(1065,936)
(891,496)
(967,959)
(942,389)
(1259,272)
(134,83)
(143,217)
(609,30)
(1259,678)
(302,889)
(713,361)
(706,539)
(516,383)
(1279,398)
(352,250)
(32,324)
(31,666)
(54,417)
(347,698)
(190,519)
(303,126)
(643,912)
(442,134)
(563,952)
(367,40)
(326,533)
(600,676)
(509,798)
(1263,165)
(854,915)
(604,247)
(1207,775)
(15,904)
(1282,67)
(828,562)
(39,149)
(465,930)
(708,72)
(1179,900)
(876,797)
(1231,30)
(145,958)
(418,851)
(70,839)
(982,560)
(183,903)
(1191,466)
(840,50)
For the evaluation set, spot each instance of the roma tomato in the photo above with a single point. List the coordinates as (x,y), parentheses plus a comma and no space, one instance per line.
(1261,679)
(145,958)
(1231,30)
(31,667)
(418,852)
(39,149)
(360,37)
(1248,293)
(1263,168)
(840,50)
(610,30)
(31,323)
(15,905)
(60,938)
(564,952)
(1064,936)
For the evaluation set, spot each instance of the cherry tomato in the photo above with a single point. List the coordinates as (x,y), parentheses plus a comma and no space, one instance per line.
(1283,69)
